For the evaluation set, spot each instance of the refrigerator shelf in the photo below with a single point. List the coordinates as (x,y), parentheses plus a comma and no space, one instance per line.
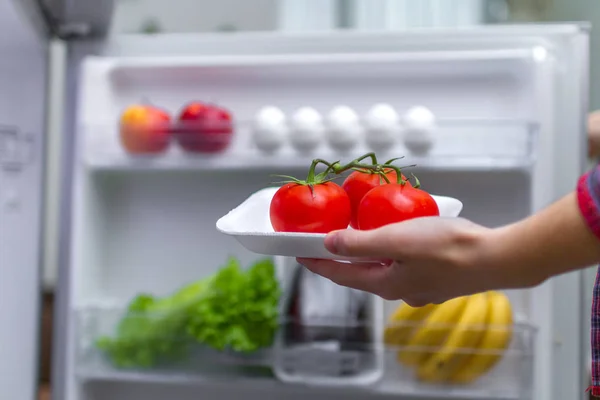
(455,144)
(342,348)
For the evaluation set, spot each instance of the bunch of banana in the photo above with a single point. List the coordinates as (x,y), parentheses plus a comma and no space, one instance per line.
(454,342)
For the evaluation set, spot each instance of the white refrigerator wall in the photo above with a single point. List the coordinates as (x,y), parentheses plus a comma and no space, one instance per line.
(23,64)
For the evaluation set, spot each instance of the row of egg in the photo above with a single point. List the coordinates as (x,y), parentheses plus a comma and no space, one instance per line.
(343,129)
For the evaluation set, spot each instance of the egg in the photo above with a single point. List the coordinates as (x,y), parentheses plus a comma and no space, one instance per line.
(270,129)
(382,124)
(419,127)
(343,128)
(306,129)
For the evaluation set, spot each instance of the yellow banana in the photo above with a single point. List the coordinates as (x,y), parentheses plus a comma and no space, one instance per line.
(432,333)
(495,340)
(403,322)
(461,342)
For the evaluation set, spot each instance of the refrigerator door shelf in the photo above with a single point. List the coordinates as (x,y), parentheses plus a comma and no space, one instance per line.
(477,144)
(318,112)
(292,359)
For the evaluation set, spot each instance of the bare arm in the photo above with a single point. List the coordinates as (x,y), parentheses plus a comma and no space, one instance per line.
(552,242)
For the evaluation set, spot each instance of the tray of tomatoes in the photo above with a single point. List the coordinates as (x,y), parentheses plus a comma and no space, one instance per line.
(292,220)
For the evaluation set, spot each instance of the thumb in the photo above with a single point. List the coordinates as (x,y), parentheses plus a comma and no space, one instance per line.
(354,243)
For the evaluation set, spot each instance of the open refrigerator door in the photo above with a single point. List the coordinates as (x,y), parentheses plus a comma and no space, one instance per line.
(23,81)
(159,304)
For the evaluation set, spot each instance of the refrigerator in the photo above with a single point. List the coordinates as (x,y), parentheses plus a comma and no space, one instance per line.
(510,104)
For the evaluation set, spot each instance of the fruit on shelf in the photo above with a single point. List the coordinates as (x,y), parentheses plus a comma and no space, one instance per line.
(306,129)
(382,125)
(433,332)
(343,128)
(270,129)
(403,322)
(456,342)
(495,339)
(144,129)
(204,128)
(466,335)
(233,309)
(419,126)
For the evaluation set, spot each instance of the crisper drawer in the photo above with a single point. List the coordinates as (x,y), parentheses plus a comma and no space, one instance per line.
(400,355)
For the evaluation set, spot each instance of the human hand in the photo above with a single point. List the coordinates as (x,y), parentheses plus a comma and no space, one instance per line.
(424,260)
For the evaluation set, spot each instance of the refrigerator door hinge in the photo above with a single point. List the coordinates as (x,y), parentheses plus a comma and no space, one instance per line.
(73,30)
(72,20)
(16,149)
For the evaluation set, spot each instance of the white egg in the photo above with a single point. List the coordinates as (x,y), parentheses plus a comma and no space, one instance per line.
(419,128)
(343,128)
(307,129)
(382,123)
(270,129)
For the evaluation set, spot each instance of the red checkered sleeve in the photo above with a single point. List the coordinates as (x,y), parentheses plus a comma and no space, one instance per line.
(588,197)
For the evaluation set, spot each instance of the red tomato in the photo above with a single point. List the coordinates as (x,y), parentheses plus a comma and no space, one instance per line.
(359,183)
(298,208)
(388,204)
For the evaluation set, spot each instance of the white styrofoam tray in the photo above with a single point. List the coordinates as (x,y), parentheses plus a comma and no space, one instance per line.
(250,224)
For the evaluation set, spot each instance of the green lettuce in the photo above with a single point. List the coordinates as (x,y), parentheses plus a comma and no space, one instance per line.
(232,309)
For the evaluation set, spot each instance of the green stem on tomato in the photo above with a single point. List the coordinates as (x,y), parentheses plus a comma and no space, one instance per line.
(311,179)
(289,179)
(388,167)
(355,164)
(311,172)
(339,169)
(399,179)
(330,168)
(370,155)
(384,177)
(389,162)
(335,167)
(417,182)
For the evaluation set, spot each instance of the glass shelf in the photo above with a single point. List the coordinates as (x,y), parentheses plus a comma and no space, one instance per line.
(343,350)
(457,144)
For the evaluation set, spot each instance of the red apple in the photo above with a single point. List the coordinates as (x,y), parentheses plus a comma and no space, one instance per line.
(204,128)
(145,129)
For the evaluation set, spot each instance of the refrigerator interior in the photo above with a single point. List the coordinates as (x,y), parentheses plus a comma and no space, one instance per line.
(147,225)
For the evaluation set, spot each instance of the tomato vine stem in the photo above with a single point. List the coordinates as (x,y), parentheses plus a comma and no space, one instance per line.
(380,169)
(370,155)
(399,179)
(389,162)
(417,182)
(314,178)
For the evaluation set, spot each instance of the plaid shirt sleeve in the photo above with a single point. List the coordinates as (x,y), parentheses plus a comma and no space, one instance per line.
(588,197)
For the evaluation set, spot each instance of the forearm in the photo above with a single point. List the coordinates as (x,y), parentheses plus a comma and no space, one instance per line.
(552,242)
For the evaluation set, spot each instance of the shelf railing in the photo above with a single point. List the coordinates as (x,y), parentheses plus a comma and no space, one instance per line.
(303,351)
(454,144)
